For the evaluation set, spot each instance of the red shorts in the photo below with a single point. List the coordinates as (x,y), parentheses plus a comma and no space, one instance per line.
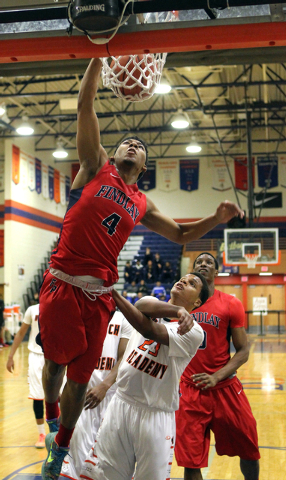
(225,411)
(73,327)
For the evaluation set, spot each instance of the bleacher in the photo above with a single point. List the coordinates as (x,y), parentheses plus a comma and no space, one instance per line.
(135,248)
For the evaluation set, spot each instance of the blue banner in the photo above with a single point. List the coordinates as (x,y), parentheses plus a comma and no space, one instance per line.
(68,186)
(189,175)
(148,181)
(267,171)
(38,167)
(51,183)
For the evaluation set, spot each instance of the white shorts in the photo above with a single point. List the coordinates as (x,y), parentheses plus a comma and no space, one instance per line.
(36,363)
(83,439)
(131,434)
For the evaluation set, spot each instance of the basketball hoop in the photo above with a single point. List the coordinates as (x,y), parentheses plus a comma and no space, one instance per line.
(136,79)
(251,259)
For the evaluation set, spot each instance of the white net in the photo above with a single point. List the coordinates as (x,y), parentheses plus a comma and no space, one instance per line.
(133,77)
(251,259)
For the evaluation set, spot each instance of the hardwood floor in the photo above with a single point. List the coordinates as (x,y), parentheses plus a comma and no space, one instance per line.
(264,380)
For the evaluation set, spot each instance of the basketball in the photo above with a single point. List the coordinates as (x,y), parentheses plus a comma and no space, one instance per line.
(129,71)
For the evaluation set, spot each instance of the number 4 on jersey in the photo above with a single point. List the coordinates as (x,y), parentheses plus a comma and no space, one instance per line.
(111,223)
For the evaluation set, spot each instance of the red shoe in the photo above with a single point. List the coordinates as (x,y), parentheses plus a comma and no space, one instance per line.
(40,443)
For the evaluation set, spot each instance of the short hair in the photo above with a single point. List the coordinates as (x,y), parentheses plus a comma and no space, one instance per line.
(205,293)
(135,137)
(206,253)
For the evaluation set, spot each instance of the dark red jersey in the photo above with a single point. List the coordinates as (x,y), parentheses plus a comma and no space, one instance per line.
(217,316)
(99,219)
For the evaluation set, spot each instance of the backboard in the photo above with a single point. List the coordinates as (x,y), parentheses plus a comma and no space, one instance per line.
(257,245)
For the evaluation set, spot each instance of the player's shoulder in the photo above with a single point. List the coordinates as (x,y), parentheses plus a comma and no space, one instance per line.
(227,298)
(33,309)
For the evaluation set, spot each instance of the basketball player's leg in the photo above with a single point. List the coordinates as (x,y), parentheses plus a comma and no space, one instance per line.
(250,469)
(235,429)
(193,474)
(36,393)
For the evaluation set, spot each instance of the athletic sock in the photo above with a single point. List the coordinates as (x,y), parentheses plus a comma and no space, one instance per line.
(63,436)
(41,429)
(52,410)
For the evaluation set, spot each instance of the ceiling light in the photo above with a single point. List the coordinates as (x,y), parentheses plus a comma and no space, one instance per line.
(193,148)
(265,274)
(163,88)
(25,128)
(223,274)
(180,122)
(2,109)
(60,152)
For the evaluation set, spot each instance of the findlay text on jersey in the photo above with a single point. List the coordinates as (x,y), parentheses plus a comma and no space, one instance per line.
(120,198)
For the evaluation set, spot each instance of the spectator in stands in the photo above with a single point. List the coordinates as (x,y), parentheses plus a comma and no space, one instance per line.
(148,256)
(164,298)
(132,290)
(150,276)
(143,288)
(158,290)
(127,296)
(128,272)
(139,296)
(158,264)
(138,271)
(167,274)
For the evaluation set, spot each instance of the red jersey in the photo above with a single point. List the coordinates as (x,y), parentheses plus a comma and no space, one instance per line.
(99,219)
(217,316)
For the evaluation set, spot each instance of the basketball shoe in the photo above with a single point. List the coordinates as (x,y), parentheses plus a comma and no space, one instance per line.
(40,443)
(54,424)
(51,467)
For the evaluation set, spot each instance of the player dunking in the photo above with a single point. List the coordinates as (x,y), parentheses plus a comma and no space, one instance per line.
(212,398)
(139,423)
(75,302)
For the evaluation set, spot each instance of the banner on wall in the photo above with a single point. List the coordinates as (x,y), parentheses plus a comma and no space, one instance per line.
(15,164)
(282,171)
(38,173)
(23,169)
(31,174)
(51,182)
(221,180)
(57,195)
(167,175)
(1,248)
(240,170)
(189,175)
(148,181)
(62,189)
(2,177)
(267,166)
(68,187)
(45,180)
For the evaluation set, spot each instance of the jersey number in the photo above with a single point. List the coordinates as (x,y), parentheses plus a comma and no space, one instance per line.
(111,223)
(203,345)
(149,342)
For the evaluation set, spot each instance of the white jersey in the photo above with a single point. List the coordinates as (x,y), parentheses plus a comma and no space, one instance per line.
(150,372)
(31,318)
(89,421)
(118,328)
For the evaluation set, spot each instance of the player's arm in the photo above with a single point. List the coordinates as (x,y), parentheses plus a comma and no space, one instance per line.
(92,155)
(239,339)
(95,395)
(185,232)
(146,326)
(17,341)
